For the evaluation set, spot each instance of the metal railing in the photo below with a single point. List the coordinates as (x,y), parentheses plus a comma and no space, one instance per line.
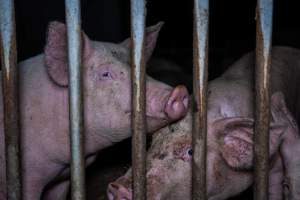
(10,99)
(200,46)
(73,22)
(200,74)
(264,13)
(138,86)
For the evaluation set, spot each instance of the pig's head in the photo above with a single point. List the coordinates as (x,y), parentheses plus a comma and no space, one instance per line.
(107,86)
(229,157)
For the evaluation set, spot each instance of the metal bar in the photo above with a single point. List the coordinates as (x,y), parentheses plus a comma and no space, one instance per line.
(138,86)
(264,14)
(75,99)
(10,99)
(200,59)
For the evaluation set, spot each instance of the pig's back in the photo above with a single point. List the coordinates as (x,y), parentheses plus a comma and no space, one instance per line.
(285,75)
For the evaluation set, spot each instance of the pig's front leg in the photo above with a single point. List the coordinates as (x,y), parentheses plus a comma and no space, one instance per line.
(58,191)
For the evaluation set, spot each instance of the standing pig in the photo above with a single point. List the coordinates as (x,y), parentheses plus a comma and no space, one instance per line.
(230,138)
(45,145)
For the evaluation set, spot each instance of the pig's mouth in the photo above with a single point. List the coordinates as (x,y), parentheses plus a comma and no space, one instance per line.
(149,116)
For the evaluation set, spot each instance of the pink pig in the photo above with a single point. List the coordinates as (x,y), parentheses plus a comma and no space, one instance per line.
(107,91)
(230,138)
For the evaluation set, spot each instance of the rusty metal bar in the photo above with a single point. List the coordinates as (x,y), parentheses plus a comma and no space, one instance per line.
(138,86)
(73,19)
(10,99)
(200,60)
(264,15)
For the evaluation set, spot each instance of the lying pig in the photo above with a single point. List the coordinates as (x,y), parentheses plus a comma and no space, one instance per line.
(230,138)
(45,145)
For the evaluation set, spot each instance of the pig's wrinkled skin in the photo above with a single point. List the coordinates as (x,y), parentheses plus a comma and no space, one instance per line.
(107,93)
(230,143)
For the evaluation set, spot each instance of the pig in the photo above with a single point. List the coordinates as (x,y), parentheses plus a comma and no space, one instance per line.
(230,127)
(45,145)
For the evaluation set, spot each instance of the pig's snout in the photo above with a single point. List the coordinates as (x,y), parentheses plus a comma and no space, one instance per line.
(177,104)
(116,191)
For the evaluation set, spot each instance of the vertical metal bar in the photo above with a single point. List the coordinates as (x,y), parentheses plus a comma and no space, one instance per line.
(264,14)
(10,99)
(138,16)
(73,19)
(200,59)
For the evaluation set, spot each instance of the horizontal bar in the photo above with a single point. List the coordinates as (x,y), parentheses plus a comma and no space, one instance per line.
(264,15)
(75,99)
(200,71)
(138,87)
(10,99)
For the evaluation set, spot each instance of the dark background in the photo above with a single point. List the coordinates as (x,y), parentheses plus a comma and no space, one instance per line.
(232,26)
(232,33)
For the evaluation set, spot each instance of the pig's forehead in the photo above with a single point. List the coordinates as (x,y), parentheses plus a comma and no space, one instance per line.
(108,49)
(179,131)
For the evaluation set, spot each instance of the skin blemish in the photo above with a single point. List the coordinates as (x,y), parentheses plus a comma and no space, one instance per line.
(114,53)
(181,147)
(171,128)
(162,156)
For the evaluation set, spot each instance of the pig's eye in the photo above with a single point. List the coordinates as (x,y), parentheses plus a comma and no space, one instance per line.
(187,155)
(190,152)
(105,75)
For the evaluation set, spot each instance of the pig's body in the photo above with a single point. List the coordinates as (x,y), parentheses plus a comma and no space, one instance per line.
(230,143)
(236,86)
(45,146)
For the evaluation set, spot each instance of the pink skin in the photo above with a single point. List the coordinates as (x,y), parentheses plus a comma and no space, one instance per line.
(230,139)
(107,93)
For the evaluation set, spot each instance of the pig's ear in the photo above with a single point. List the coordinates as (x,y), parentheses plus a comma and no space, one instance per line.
(236,141)
(56,56)
(290,146)
(151,38)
